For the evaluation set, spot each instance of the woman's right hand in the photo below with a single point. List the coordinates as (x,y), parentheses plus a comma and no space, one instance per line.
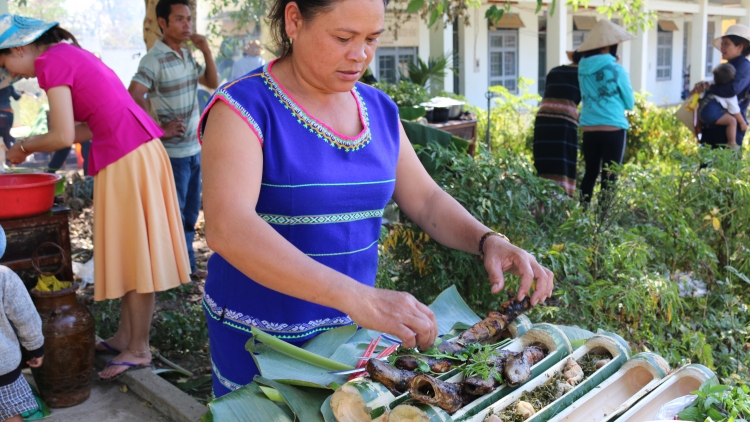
(396,313)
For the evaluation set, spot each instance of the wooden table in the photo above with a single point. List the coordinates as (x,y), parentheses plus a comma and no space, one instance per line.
(464,129)
(25,234)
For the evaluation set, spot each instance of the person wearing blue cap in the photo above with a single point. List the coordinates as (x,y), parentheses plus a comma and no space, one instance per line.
(139,244)
(20,325)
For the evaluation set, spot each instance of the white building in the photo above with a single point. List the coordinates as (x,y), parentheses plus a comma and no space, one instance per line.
(662,60)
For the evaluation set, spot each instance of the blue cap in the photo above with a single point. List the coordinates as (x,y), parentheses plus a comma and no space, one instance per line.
(16,30)
(2,241)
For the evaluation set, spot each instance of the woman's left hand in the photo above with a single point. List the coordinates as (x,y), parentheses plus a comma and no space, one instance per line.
(502,256)
(16,155)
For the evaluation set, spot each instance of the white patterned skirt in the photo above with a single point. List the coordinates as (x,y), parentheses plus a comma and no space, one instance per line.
(16,398)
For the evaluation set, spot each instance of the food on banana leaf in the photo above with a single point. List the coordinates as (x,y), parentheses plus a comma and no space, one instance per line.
(518,367)
(451,396)
(489,328)
(446,395)
(348,405)
(407,413)
(417,363)
(553,389)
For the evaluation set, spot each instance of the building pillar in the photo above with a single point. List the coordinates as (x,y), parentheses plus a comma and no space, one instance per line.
(557,36)
(699,32)
(745,20)
(639,65)
(441,43)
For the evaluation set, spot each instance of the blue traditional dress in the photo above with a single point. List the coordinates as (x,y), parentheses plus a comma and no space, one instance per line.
(323,192)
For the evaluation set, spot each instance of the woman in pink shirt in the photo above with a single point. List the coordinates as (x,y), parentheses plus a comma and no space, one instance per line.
(139,243)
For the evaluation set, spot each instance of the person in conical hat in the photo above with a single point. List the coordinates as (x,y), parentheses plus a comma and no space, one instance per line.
(605,95)
(735,48)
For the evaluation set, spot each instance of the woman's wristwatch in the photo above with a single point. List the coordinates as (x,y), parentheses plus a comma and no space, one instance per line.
(484,238)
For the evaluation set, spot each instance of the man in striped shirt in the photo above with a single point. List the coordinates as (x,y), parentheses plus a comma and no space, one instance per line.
(169,75)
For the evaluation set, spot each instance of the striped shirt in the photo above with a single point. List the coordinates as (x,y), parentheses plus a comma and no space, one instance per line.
(172,83)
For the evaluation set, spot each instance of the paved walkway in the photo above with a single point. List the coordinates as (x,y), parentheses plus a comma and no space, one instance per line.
(110,402)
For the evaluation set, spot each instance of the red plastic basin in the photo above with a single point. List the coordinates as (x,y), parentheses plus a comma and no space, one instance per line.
(22,195)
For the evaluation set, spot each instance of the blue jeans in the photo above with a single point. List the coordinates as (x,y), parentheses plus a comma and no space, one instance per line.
(187,180)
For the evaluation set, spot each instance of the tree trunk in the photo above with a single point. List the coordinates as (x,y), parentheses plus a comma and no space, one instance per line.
(151,30)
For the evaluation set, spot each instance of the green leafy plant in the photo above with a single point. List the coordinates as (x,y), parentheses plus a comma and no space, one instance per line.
(718,403)
(404,93)
(429,74)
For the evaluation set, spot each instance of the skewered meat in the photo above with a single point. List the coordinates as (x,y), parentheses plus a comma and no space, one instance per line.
(489,328)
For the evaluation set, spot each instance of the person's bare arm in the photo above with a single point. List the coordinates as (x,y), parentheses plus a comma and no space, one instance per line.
(61,132)
(172,128)
(83,133)
(138,91)
(232,166)
(446,221)
(210,78)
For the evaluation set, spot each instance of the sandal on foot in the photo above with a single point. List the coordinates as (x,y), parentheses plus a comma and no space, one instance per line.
(131,367)
(110,349)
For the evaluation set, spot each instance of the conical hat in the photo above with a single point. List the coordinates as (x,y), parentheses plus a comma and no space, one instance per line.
(604,33)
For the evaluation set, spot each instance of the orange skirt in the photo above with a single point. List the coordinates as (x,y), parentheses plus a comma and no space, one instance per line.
(139,242)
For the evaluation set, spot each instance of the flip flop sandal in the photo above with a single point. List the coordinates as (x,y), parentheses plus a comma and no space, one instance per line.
(110,349)
(131,367)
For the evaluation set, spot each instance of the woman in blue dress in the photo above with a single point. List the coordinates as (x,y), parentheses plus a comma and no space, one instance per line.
(299,161)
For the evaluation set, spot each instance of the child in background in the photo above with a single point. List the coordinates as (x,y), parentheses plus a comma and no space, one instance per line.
(19,323)
(719,105)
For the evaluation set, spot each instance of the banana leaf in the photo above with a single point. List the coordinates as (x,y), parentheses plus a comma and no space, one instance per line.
(304,403)
(451,310)
(246,404)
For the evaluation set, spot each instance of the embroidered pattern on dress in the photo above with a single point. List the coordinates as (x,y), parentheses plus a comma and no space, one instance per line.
(317,128)
(288,220)
(225,382)
(221,93)
(308,185)
(244,322)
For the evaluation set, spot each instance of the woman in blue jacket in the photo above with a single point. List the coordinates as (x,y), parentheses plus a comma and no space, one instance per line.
(605,95)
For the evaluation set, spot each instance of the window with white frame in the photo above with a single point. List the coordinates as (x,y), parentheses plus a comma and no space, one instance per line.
(710,48)
(664,55)
(504,58)
(392,62)
(578,37)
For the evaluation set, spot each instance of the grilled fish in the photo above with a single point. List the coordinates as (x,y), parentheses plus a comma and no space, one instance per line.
(489,328)
(446,395)
(518,367)
(394,379)
(478,386)
(412,363)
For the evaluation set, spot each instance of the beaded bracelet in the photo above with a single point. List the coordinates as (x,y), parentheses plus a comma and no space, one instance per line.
(486,235)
